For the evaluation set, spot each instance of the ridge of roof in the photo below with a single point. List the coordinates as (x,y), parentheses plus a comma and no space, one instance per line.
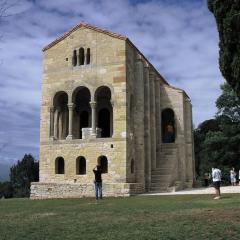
(105,31)
(87,25)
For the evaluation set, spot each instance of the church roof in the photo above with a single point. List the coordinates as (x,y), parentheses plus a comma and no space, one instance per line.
(112,34)
(86,25)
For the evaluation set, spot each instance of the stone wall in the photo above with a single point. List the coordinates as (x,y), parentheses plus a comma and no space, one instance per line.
(66,190)
(138,96)
(106,68)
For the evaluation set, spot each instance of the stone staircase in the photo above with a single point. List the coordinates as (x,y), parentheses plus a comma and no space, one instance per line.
(161,179)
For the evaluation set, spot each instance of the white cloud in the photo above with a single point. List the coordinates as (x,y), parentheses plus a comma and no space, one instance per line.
(178,37)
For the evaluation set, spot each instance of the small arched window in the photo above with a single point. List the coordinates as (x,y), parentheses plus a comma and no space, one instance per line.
(168,126)
(88,56)
(103,162)
(59,165)
(81,166)
(132,166)
(81,56)
(74,58)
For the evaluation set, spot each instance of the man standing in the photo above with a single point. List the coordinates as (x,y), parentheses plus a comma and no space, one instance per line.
(216,178)
(98,181)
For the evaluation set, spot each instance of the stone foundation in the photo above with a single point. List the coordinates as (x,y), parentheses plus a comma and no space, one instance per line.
(40,190)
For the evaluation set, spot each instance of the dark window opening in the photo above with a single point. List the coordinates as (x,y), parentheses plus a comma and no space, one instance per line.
(81,166)
(84,120)
(168,126)
(66,59)
(74,58)
(81,56)
(104,122)
(88,56)
(111,145)
(132,166)
(103,162)
(59,165)
(61,116)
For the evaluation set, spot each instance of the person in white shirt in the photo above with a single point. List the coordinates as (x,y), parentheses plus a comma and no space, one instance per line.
(216,178)
(233,176)
(239,177)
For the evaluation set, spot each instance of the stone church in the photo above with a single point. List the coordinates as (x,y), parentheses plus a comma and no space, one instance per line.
(104,103)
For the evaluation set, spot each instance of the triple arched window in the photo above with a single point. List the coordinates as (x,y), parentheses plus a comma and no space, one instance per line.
(81,57)
(81,165)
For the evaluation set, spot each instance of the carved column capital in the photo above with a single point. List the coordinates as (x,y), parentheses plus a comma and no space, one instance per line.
(71,106)
(93,104)
(52,109)
(112,103)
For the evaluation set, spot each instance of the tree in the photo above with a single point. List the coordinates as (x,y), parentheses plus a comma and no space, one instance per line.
(218,140)
(22,174)
(6,190)
(227,15)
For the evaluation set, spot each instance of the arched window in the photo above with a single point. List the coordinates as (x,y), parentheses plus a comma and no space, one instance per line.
(132,166)
(88,56)
(103,122)
(168,126)
(81,166)
(74,58)
(60,115)
(82,111)
(104,111)
(59,165)
(103,162)
(81,56)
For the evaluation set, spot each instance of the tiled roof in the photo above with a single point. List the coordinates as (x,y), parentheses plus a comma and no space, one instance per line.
(83,24)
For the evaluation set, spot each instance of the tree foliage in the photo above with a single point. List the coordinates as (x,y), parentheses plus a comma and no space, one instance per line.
(217,141)
(227,15)
(22,174)
(6,190)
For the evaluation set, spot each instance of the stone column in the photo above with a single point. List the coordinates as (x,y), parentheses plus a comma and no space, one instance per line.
(139,120)
(157,119)
(147,135)
(153,120)
(111,119)
(78,56)
(51,122)
(93,107)
(70,120)
(56,121)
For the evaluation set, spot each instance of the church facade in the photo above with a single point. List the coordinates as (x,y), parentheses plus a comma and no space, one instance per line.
(104,103)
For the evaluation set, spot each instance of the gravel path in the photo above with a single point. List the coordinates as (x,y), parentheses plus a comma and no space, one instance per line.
(208,190)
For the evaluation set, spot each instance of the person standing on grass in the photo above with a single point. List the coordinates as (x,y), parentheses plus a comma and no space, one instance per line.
(216,178)
(98,181)
(239,177)
(233,176)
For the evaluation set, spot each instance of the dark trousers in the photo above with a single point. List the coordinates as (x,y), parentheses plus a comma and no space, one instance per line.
(98,189)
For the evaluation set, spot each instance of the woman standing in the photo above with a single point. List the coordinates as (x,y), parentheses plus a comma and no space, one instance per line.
(233,176)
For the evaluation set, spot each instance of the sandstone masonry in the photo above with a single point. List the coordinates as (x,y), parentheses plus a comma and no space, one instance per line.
(104,103)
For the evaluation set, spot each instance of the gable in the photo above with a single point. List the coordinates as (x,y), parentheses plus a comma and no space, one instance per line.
(83,25)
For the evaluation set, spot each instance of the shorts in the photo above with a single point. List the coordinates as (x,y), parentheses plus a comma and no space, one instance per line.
(217,184)
(233,180)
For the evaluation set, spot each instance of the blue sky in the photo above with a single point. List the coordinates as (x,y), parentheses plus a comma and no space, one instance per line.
(178,37)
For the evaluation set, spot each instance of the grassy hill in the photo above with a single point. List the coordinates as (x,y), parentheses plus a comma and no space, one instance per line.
(4,172)
(135,218)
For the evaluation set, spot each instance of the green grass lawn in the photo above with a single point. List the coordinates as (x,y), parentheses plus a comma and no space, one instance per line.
(141,217)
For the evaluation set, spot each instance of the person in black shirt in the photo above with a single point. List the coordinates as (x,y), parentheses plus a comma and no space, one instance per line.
(98,181)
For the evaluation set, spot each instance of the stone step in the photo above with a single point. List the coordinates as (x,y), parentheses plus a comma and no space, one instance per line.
(159,184)
(168,154)
(158,176)
(159,190)
(157,181)
(161,171)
